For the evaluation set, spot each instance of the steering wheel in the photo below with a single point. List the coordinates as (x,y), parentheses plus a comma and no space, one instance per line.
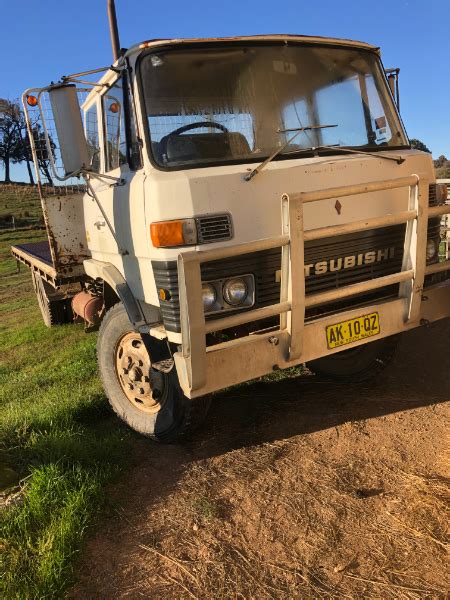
(199,125)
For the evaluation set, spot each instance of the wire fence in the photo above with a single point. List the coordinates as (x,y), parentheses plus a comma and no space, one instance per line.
(23,190)
(20,206)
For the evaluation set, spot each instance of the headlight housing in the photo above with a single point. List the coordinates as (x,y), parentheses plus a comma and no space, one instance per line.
(232,293)
(235,291)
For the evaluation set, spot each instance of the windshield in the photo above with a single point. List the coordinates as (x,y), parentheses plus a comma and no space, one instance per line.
(241,103)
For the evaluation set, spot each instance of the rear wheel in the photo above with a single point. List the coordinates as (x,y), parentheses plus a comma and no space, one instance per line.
(357,364)
(53,311)
(149,401)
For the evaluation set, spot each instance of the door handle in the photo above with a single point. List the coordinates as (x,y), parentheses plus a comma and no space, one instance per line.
(99,224)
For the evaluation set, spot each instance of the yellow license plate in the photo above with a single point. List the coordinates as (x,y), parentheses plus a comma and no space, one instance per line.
(347,332)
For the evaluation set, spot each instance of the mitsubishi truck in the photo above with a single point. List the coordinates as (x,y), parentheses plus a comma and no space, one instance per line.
(242,205)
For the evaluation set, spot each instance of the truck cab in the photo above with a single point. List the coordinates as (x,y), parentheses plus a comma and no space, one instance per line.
(250,204)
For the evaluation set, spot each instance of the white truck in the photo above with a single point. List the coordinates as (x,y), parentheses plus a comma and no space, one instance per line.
(247,204)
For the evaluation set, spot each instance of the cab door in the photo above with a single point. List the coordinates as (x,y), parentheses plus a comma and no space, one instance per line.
(111,134)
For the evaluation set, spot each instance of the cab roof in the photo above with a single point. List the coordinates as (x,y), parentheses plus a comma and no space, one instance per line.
(260,38)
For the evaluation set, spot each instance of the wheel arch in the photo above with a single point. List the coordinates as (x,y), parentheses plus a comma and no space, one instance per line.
(116,283)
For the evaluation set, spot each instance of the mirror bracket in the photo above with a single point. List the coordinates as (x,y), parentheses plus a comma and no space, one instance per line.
(392,78)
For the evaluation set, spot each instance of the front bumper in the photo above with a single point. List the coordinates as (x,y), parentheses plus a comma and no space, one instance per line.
(247,358)
(203,369)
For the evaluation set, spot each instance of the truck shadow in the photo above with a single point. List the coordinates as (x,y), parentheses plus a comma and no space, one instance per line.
(266,411)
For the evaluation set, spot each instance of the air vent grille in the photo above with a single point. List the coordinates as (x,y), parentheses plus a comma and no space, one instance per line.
(214,228)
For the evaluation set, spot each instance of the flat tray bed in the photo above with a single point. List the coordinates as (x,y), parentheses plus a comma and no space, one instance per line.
(37,256)
(36,250)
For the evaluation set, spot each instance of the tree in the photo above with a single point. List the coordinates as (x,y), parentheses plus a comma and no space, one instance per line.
(442,166)
(11,124)
(27,155)
(42,153)
(15,145)
(418,145)
(440,162)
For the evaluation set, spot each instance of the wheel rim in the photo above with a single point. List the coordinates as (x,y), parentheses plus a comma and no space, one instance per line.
(143,387)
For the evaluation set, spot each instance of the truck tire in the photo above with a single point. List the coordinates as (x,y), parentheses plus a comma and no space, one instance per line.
(356,364)
(149,401)
(54,312)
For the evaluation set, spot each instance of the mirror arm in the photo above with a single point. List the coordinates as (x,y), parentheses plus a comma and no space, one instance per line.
(94,175)
(91,72)
(84,82)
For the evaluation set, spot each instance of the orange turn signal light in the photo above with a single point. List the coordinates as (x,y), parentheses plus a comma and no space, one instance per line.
(164,294)
(181,232)
(32,100)
(167,233)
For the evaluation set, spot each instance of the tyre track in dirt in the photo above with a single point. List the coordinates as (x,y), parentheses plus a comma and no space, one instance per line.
(293,489)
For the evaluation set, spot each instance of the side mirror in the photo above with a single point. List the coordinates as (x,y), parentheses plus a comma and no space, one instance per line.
(69,128)
(392,77)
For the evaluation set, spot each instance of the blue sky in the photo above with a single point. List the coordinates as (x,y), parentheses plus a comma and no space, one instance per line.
(42,40)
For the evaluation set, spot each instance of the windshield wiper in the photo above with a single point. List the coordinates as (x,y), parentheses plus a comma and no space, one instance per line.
(398,159)
(281,148)
(316,149)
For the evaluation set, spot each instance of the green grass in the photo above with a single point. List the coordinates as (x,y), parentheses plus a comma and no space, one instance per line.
(59,442)
(21,202)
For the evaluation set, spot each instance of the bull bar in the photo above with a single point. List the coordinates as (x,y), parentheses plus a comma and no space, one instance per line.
(203,369)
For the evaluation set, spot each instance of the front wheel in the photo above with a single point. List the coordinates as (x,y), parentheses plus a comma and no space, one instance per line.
(149,401)
(356,364)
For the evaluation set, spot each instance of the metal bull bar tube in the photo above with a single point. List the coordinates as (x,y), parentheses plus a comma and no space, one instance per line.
(293,302)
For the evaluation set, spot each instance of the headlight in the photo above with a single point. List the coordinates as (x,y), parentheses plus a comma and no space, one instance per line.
(431,249)
(209,296)
(235,291)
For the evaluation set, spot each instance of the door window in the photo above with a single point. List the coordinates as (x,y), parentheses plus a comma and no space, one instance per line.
(114,123)
(92,137)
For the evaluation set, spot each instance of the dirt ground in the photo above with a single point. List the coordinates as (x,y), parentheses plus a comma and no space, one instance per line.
(298,489)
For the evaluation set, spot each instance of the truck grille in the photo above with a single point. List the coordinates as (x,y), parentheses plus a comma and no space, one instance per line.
(385,246)
(214,228)
(264,266)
